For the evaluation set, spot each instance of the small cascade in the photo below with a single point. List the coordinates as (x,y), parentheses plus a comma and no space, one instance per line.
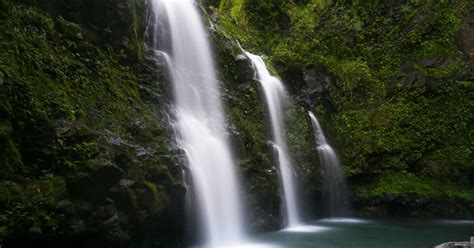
(275,93)
(335,191)
(177,30)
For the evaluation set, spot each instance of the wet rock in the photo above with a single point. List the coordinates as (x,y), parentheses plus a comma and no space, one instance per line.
(150,198)
(262,220)
(454,245)
(95,185)
(315,87)
(124,197)
(244,69)
(66,206)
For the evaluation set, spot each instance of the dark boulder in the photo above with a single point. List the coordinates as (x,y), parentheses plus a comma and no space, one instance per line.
(244,70)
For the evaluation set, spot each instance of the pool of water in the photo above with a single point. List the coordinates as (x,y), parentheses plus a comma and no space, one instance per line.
(368,233)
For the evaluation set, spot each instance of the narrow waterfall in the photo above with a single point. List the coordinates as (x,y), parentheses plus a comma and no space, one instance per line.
(275,92)
(198,117)
(335,191)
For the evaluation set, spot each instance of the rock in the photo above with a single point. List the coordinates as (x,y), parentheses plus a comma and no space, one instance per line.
(312,81)
(436,62)
(315,88)
(415,79)
(123,196)
(214,15)
(70,29)
(95,185)
(150,198)
(78,226)
(73,131)
(84,207)
(454,245)
(244,69)
(262,220)
(106,209)
(466,41)
(2,78)
(66,206)
(35,230)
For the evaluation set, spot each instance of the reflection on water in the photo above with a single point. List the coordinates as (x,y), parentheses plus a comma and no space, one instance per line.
(344,220)
(242,245)
(305,229)
(363,233)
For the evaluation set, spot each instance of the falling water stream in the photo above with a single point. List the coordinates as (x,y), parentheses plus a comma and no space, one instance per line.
(198,118)
(274,92)
(335,192)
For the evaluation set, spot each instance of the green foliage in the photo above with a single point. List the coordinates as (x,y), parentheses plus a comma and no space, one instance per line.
(398,100)
(396,184)
(73,99)
(30,206)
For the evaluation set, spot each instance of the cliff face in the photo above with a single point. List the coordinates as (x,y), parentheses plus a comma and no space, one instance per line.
(391,82)
(86,150)
(85,146)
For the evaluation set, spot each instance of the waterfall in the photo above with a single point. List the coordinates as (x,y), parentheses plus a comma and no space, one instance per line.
(335,191)
(177,29)
(275,92)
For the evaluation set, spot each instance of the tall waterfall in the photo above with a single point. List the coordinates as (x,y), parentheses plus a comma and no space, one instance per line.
(335,192)
(274,93)
(199,122)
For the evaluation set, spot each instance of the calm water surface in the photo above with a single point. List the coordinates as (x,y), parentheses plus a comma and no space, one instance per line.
(368,233)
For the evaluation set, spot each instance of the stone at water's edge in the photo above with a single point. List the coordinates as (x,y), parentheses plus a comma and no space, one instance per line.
(466,244)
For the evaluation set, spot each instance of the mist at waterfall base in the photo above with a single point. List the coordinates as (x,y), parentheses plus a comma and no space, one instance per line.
(335,192)
(198,120)
(275,93)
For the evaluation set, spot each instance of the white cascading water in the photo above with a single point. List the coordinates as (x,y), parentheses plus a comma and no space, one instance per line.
(335,192)
(199,120)
(275,93)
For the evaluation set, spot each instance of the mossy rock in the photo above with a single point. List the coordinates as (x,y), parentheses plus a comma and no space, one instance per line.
(70,29)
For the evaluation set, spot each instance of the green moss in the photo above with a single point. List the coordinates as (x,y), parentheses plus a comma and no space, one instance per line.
(399,184)
(396,98)
(70,104)
(70,29)
(158,199)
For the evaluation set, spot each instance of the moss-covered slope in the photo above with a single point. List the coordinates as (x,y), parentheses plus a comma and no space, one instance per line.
(392,84)
(85,157)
